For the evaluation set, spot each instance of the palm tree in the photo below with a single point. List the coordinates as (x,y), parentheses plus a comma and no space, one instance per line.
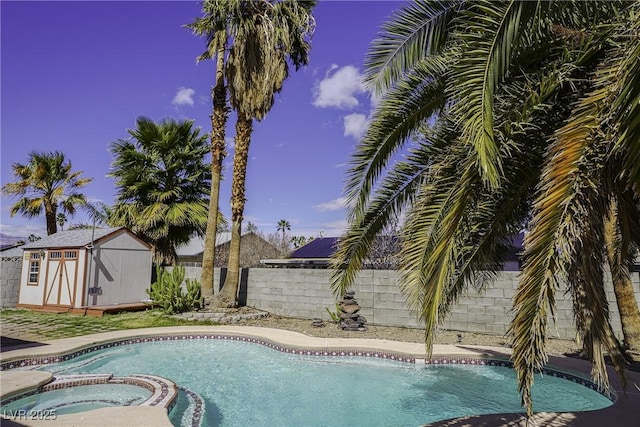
(523,115)
(299,241)
(271,34)
(161,181)
(284,226)
(60,220)
(46,183)
(213,25)
(99,214)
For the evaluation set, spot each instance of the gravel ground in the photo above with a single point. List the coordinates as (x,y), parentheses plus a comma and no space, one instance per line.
(331,330)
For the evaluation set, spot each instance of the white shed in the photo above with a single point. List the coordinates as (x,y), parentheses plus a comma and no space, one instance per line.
(79,269)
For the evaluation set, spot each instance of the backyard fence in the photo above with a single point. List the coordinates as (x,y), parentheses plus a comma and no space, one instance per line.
(10,270)
(305,293)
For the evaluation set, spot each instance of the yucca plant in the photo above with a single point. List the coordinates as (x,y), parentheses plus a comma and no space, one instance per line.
(166,292)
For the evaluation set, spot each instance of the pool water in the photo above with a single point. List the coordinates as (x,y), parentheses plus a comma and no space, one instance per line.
(249,384)
(79,398)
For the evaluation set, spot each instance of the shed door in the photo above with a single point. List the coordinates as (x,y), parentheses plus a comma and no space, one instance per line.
(61,278)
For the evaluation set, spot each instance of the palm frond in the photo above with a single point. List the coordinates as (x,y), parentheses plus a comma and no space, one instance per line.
(479,70)
(627,102)
(585,275)
(412,34)
(429,250)
(552,240)
(396,191)
(398,116)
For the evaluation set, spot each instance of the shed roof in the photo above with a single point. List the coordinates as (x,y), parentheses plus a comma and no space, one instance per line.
(72,238)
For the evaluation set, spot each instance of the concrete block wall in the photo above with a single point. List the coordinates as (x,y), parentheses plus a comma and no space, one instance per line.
(10,270)
(305,293)
(292,292)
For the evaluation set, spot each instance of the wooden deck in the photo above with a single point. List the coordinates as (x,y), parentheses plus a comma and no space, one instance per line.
(100,310)
(94,310)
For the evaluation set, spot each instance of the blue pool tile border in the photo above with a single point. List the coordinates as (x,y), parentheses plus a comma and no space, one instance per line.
(444,360)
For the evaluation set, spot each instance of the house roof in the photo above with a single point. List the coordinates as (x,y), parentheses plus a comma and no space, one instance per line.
(322,247)
(195,246)
(12,251)
(72,238)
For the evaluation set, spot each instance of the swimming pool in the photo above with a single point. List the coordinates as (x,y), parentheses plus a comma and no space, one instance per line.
(242,383)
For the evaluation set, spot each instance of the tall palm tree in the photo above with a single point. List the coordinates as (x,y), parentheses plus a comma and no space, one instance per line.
(271,34)
(525,115)
(213,25)
(284,226)
(46,183)
(162,184)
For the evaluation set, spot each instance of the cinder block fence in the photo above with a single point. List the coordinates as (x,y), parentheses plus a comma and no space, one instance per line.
(10,270)
(305,293)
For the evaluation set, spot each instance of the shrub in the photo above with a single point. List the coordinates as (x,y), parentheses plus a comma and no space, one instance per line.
(167,293)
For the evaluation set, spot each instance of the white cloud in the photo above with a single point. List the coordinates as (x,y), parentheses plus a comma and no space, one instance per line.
(374,100)
(338,89)
(184,96)
(355,124)
(334,228)
(332,205)
(325,229)
(231,144)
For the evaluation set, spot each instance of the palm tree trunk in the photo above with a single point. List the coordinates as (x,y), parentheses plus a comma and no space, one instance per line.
(50,212)
(218,153)
(617,241)
(629,313)
(244,127)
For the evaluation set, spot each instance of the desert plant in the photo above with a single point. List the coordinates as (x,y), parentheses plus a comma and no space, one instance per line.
(334,315)
(167,292)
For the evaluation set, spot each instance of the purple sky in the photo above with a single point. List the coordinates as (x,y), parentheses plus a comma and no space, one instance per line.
(75,75)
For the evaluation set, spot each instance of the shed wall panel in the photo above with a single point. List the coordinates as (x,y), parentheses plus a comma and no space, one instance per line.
(30,294)
(122,276)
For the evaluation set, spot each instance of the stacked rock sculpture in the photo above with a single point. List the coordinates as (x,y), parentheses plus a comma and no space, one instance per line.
(317,323)
(350,320)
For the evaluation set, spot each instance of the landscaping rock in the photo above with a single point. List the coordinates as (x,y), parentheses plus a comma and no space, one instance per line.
(350,320)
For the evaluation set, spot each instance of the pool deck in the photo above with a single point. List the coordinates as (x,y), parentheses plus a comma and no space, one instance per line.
(624,412)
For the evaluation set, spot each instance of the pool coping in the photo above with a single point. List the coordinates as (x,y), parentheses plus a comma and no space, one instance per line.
(623,412)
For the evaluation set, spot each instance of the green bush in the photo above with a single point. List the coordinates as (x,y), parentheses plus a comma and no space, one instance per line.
(167,293)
